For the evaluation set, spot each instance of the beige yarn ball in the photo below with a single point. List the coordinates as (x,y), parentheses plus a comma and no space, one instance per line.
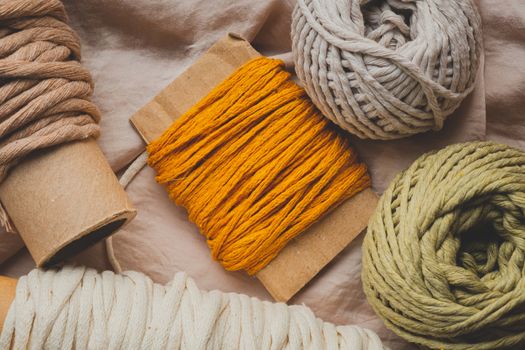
(387,69)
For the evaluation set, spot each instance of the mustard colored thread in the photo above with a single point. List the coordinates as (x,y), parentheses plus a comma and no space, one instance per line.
(255,164)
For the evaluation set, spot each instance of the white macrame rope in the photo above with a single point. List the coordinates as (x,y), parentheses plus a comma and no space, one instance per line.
(386,69)
(78,308)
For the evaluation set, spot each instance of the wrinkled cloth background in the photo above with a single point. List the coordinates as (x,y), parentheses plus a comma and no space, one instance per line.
(134,48)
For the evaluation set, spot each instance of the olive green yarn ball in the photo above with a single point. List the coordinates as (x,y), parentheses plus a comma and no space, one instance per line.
(444,255)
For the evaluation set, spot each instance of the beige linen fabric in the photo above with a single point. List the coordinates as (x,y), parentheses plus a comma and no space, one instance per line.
(134,48)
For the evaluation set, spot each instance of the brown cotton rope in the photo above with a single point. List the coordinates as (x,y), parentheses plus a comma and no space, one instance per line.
(44,91)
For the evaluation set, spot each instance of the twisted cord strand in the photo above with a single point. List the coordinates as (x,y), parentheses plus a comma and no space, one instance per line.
(134,168)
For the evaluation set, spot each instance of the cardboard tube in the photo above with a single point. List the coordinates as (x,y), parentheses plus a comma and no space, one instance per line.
(7,295)
(64,199)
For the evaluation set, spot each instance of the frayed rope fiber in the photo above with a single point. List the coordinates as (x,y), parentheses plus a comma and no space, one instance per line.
(444,255)
(255,164)
(78,308)
(387,69)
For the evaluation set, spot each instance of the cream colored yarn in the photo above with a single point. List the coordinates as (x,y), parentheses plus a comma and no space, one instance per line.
(78,308)
(444,255)
(387,69)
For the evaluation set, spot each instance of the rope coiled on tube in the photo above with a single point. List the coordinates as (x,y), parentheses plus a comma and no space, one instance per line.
(44,92)
(444,255)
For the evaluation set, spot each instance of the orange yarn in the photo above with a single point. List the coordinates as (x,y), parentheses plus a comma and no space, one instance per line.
(255,164)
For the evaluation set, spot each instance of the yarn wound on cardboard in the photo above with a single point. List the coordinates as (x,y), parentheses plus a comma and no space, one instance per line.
(255,164)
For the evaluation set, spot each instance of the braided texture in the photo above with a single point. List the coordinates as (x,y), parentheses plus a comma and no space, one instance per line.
(387,69)
(77,308)
(44,91)
(444,255)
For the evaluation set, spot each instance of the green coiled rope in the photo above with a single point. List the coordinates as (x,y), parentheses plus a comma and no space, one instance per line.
(444,255)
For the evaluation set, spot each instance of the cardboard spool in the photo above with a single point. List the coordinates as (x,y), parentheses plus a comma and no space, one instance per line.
(64,199)
(303,258)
